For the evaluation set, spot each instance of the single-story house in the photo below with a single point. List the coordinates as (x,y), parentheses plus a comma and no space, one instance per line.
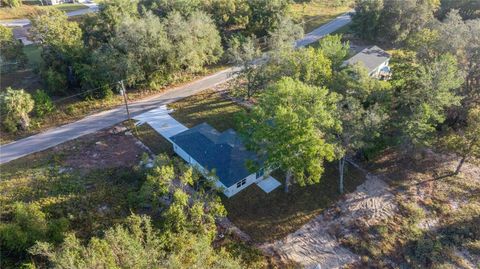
(375,61)
(206,149)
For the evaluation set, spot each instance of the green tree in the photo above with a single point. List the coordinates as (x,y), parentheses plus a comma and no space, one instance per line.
(28,225)
(163,8)
(98,29)
(284,35)
(309,65)
(146,48)
(265,15)
(12,3)
(56,33)
(463,42)
(422,93)
(62,47)
(467,141)
(363,111)
(399,19)
(11,49)
(293,126)
(136,244)
(245,53)
(229,13)
(468,9)
(158,182)
(43,103)
(335,50)
(14,108)
(366,20)
(197,41)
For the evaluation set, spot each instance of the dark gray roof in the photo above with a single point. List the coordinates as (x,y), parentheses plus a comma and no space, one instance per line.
(371,58)
(223,152)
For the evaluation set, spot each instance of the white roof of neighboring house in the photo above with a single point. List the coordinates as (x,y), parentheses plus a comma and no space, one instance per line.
(371,57)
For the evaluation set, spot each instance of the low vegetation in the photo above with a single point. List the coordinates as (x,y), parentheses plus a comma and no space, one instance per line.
(311,14)
(437,225)
(25,11)
(209,107)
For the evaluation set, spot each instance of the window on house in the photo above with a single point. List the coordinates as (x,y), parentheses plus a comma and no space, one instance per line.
(241,182)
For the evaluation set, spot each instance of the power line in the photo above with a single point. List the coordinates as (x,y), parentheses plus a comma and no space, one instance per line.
(85,92)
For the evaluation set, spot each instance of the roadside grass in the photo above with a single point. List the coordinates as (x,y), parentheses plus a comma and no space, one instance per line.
(208,106)
(24,11)
(69,110)
(271,216)
(315,13)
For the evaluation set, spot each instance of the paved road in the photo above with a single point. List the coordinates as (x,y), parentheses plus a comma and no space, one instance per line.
(324,30)
(92,7)
(111,117)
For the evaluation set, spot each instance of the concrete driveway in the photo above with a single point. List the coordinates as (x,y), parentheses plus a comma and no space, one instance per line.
(160,120)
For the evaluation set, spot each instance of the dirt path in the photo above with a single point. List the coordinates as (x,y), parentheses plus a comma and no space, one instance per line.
(316,243)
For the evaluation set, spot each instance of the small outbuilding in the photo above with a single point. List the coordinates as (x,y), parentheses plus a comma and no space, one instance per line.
(375,61)
(206,149)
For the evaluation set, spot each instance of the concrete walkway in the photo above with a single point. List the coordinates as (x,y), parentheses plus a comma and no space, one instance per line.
(111,117)
(160,120)
(268,184)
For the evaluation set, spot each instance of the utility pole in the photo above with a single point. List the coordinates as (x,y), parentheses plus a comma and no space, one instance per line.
(124,93)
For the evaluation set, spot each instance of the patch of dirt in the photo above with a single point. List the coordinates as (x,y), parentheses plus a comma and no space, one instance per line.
(317,242)
(103,149)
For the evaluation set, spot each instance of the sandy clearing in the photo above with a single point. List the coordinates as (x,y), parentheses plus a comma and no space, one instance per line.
(316,243)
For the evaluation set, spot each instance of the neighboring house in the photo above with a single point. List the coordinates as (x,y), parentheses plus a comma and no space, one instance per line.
(375,61)
(224,153)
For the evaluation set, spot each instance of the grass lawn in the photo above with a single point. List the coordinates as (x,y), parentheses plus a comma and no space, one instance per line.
(34,55)
(266,217)
(207,106)
(24,11)
(153,140)
(315,13)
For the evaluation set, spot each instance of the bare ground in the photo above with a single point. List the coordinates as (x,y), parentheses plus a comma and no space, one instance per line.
(103,149)
(397,179)
(316,243)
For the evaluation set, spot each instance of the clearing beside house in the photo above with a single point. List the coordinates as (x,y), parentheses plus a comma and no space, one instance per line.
(87,180)
(406,209)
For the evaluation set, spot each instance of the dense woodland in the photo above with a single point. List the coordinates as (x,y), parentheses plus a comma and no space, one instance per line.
(308,109)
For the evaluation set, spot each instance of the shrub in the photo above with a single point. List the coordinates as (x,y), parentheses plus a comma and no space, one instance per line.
(55,82)
(14,108)
(12,3)
(43,103)
(28,225)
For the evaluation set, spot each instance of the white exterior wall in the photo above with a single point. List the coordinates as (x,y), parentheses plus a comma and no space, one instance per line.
(376,72)
(232,190)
